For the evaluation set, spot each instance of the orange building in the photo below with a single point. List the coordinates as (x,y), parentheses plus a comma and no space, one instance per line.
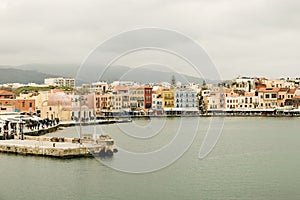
(6,94)
(20,105)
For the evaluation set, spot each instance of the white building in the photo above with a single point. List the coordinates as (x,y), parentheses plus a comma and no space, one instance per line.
(245,83)
(96,87)
(157,101)
(185,98)
(245,102)
(61,82)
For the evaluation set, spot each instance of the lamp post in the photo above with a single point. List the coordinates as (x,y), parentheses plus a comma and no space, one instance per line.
(21,122)
(80,99)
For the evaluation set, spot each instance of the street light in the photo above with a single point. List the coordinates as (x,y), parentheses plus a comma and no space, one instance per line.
(21,123)
(80,99)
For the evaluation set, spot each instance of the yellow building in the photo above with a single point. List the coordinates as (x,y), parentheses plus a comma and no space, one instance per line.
(167,96)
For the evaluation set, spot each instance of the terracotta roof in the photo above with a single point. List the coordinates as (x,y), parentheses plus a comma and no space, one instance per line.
(57,90)
(268,89)
(120,87)
(4,92)
(260,86)
(297,97)
(227,91)
(292,91)
(249,94)
(284,89)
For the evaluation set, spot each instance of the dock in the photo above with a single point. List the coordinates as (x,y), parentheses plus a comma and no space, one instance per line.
(33,143)
(96,122)
(42,146)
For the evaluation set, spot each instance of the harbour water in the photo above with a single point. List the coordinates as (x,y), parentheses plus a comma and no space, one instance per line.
(255,158)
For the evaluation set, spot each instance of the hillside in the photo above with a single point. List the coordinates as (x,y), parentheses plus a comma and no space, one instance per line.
(12,75)
(142,75)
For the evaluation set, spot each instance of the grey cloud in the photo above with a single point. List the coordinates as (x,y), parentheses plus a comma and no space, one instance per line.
(242,37)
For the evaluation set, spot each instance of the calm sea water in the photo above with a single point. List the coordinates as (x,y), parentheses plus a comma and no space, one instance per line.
(255,158)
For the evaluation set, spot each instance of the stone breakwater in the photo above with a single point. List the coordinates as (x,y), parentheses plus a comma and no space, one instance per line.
(35,144)
(44,147)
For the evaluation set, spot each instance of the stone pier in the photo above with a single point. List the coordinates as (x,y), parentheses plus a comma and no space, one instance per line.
(44,147)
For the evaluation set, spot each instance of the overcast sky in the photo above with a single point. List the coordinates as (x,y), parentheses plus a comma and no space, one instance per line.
(257,37)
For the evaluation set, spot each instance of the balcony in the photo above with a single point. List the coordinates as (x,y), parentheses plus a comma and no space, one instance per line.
(169,97)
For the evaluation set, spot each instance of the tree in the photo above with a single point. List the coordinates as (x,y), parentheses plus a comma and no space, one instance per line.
(204,85)
(173,81)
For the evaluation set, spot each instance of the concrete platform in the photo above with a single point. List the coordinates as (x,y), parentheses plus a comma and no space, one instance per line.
(47,148)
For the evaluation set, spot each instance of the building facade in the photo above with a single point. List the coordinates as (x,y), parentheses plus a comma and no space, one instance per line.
(61,82)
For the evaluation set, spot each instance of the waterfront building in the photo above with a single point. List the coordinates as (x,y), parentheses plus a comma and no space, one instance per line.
(168,97)
(82,107)
(147,97)
(296,102)
(157,102)
(247,101)
(185,101)
(122,92)
(102,103)
(20,105)
(115,102)
(7,108)
(136,98)
(140,99)
(231,99)
(40,97)
(216,100)
(268,97)
(185,98)
(282,96)
(58,105)
(291,93)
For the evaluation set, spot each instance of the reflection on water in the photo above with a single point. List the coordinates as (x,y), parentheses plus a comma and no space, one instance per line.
(255,158)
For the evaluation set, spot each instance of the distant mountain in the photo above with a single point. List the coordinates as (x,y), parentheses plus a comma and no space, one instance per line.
(145,75)
(65,70)
(37,72)
(12,75)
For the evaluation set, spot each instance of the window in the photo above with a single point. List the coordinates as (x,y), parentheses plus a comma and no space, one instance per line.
(274,96)
(30,105)
(148,105)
